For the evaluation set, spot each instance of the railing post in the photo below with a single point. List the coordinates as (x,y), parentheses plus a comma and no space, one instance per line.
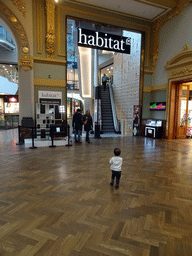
(19,135)
(32,147)
(68,132)
(52,137)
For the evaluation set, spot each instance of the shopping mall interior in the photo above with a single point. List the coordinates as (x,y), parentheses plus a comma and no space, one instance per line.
(130,65)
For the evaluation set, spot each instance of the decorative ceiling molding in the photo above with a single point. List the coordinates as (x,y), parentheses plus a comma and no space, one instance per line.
(140,9)
(21,6)
(16,24)
(157,26)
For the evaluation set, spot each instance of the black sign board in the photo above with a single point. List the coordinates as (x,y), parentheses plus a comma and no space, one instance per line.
(50,101)
(103,41)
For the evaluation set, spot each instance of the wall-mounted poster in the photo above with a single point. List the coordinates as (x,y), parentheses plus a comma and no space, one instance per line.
(136,120)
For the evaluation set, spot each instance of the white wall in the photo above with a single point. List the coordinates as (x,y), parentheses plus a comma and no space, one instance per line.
(174,34)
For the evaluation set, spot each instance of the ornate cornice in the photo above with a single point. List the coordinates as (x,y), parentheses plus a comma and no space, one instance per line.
(159,23)
(17,25)
(181,59)
(49,82)
(183,71)
(50,37)
(21,6)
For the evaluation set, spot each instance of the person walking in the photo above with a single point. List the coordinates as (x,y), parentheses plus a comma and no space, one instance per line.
(104,81)
(77,124)
(116,164)
(88,124)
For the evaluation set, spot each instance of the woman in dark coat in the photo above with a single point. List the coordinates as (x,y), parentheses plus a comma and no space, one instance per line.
(88,124)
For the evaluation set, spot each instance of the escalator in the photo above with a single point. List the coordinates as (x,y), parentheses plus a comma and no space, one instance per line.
(110,123)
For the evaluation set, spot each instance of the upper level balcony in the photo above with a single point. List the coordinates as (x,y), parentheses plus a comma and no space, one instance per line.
(6,41)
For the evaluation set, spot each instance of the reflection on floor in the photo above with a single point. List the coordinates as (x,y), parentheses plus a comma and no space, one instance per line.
(58,201)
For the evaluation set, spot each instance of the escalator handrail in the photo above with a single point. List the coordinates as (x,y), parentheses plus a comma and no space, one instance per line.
(115,120)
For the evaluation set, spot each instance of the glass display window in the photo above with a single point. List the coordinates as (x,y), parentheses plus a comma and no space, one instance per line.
(1,106)
(11,108)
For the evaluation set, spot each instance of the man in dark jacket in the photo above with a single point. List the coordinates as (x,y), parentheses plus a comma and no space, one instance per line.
(105,79)
(77,124)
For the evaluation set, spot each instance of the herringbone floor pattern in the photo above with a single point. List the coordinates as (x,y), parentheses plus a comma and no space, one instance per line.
(58,201)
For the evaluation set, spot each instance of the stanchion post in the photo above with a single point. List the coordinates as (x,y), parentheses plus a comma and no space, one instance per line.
(19,135)
(52,137)
(32,147)
(68,132)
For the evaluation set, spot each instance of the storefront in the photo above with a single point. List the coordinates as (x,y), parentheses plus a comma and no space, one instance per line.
(9,111)
(95,49)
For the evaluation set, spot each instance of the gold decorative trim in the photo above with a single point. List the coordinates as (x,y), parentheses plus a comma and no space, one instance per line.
(25,50)
(147,89)
(157,26)
(148,72)
(17,25)
(39,26)
(13,19)
(50,61)
(184,71)
(49,82)
(26,62)
(21,6)
(59,53)
(50,37)
(161,87)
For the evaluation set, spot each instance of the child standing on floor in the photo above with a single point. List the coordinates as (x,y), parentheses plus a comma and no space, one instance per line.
(116,163)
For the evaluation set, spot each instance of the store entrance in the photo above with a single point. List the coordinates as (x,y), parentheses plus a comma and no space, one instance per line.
(181,103)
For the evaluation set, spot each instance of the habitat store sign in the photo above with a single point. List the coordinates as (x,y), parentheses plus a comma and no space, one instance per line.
(103,41)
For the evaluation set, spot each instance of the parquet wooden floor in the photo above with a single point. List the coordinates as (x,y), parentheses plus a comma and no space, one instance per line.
(58,201)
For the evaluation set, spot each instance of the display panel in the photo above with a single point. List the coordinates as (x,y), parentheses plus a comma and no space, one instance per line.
(56,128)
(157,106)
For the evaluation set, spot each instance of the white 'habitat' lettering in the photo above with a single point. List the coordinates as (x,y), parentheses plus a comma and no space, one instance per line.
(98,41)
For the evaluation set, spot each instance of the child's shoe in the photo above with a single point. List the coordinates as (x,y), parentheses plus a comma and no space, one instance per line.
(117,187)
(111,183)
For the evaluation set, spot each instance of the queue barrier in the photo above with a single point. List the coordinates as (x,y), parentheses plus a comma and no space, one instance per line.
(52,132)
